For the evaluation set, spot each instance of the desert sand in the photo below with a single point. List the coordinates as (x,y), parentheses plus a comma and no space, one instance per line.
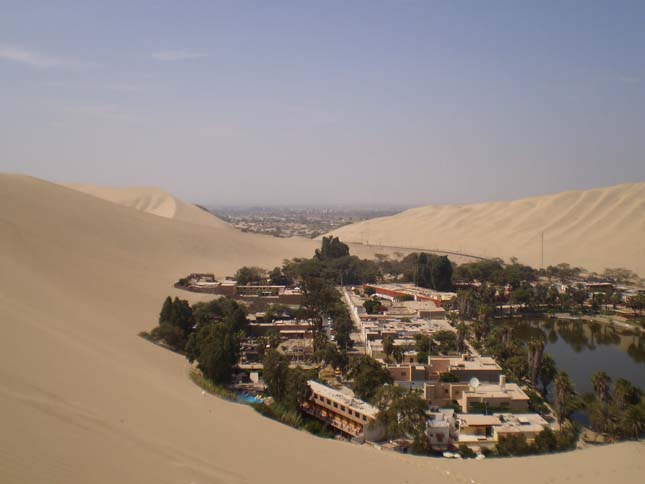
(594,229)
(84,399)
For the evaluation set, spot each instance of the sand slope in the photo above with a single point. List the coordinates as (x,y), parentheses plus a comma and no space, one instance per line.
(83,399)
(152,200)
(594,229)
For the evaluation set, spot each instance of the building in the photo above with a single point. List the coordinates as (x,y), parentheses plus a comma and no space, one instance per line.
(464,367)
(352,417)
(484,431)
(441,428)
(402,292)
(484,397)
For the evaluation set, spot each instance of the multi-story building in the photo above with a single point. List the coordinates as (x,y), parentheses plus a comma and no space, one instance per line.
(484,431)
(485,396)
(352,417)
(464,367)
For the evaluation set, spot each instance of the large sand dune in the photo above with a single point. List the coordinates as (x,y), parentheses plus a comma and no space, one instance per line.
(152,200)
(84,400)
(594,229)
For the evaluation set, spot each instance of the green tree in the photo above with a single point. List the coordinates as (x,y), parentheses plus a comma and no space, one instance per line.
(388,346)
(332,248)
(276,375)
(602,386)
(546,441)
(297,390)
(250,275)
(216,349)
(632,423)
(398,354)
(625,393)
(548,371)
(372,306)
(402,413)
(535,358)
(368,376)
(166,311)
(564,397)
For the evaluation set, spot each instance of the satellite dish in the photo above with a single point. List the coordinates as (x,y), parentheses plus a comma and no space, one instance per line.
(474,382)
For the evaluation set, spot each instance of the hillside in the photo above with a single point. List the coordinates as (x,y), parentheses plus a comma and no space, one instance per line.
(594,229)
(84,399)
(153,200)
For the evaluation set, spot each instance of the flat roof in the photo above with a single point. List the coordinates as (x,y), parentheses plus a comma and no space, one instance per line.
(347,400)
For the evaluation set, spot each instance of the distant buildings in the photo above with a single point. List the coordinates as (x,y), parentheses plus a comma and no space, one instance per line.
(206,283)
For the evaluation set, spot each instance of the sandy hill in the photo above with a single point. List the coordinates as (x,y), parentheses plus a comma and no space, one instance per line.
(83,399)
(152,200)
(594,229)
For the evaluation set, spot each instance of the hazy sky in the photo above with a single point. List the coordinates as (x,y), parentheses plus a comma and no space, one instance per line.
(325,102)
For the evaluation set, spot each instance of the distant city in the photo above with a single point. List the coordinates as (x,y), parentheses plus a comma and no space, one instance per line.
(308,222)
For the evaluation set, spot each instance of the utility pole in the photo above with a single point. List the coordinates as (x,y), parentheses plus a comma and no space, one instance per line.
(542,250)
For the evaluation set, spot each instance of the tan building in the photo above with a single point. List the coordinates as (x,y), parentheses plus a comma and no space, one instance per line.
(484,431)
(493,396)
(464,367)
(349,415)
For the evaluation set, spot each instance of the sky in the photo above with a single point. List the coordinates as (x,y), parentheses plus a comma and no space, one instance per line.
(348,102)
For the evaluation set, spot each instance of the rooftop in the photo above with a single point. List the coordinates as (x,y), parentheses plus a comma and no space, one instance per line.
(342,398)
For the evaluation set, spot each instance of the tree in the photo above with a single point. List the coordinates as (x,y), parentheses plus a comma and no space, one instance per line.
(422,343)
(368,376)
(461,338)
(372,306)
(401,412)
(632,423)
(332,248)
(398,354)
(277,277)
(536,355)
(388,346)
(564,397)
(216,349)
(546,441)
(250,275)
(297,390)
(166,311)
(548,371)
(625,393)
(276,374)
(601,386)
(171,335)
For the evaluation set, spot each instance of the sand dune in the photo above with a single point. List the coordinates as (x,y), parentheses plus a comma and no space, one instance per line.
(83,399)
(594,229)
(152,200)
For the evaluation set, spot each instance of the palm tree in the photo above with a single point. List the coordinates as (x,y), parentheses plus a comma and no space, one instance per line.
(548,371)
(536,353)
(563,396)
(461,337)
(632,424)
(601,386)
(602,418)
(388,346)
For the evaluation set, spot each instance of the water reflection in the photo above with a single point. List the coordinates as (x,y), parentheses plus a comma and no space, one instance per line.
(582,348)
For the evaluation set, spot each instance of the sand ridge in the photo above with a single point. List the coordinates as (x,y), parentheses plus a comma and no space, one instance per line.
(595,229)
(152,200)
(83,399)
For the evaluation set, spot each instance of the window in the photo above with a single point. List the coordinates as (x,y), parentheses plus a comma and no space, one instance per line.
(342,408)
(328,401)
(335,405)
(364,418)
